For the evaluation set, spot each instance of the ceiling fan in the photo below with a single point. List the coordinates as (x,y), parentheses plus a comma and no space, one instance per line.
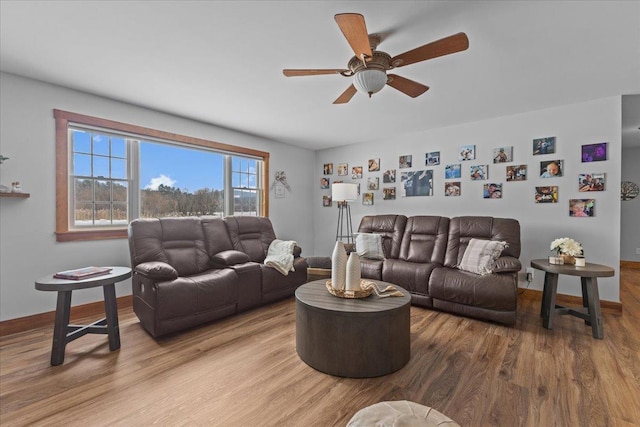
(369,66)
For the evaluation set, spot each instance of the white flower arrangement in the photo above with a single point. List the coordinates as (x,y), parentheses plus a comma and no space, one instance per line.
(566,246)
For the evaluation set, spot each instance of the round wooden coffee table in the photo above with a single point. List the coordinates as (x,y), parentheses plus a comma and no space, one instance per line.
(357,338)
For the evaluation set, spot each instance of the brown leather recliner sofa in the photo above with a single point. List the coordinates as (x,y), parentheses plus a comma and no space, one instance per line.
(422,254)
(189,271)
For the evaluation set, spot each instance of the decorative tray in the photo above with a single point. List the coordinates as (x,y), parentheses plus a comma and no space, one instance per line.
(367,289)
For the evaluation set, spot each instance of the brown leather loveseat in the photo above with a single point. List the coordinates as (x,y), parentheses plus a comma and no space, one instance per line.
(189,271)
(422,254)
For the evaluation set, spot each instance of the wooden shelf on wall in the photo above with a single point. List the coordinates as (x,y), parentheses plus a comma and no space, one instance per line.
(18,195)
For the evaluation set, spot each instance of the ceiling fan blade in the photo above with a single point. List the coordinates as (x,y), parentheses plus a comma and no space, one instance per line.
(406,86)
(452,44)
(346,95)
(355,31)
(294,73)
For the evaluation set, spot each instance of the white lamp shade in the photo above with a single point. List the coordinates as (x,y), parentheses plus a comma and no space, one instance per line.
(370,81)
(342,192)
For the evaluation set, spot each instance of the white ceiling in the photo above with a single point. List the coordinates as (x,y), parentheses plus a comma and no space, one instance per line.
(221,62)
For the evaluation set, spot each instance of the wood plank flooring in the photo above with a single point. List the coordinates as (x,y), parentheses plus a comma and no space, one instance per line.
(244,371)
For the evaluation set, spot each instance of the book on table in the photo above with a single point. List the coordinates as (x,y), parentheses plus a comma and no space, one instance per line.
(82,273)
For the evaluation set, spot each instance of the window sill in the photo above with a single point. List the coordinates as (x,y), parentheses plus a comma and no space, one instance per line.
(82,235)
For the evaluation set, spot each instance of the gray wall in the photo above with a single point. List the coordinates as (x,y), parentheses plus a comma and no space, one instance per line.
(630,209)
(573,125)
(28,248)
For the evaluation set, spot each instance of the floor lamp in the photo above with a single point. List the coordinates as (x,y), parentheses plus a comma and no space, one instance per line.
(343,194)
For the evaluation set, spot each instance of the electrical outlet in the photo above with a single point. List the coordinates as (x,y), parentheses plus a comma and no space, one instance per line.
(529,274)
(637,251)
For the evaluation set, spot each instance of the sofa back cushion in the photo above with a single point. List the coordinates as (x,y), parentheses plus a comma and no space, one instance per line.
(390,226)
(251,235)
(463,229)
(177,241)
(216,235)
(425,239)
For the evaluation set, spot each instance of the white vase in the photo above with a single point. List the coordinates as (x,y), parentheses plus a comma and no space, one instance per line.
(339,266)
(353,273)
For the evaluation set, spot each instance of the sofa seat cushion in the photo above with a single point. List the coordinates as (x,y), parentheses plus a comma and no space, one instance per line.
(192,295)
(412,276)
(371,269)
(492,291)
(274,281)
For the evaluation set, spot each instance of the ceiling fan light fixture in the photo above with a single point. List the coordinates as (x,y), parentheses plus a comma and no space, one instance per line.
(370,81)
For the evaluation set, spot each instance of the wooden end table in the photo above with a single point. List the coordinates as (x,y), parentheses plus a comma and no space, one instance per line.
(63,332)
(356,338)
(588,275)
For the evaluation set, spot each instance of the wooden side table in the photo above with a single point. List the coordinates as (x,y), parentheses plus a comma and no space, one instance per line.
(588,274)
(63,332)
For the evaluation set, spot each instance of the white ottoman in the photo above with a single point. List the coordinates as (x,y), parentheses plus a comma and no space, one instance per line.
(401,413)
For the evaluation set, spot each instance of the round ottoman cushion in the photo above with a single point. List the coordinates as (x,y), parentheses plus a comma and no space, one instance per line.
(401,413)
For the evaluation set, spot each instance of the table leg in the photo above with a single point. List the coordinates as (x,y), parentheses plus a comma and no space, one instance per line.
(111,310)
(593,297)
(544,293)
(585,299)
(63,312)
(549,303)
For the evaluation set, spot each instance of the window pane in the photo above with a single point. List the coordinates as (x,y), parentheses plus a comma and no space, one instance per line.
(180,181)
(100,167)
(102,214)
(120,191)
(120,214)
(83,190)
(235,179)
(118,168)
(101,144)
(102,191)
(81,165)
(81,141)
(118,147)
(83,214)
(245,202)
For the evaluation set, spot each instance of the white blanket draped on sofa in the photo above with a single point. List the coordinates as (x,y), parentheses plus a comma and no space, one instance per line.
(280,255)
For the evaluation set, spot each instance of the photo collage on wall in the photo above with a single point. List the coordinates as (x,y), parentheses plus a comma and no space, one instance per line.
(415,183)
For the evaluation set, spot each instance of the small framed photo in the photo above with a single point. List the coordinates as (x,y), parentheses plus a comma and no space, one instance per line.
(492,191)
(328,169)
(503,155)
(582,207)
(367,199)
(389,193)
(389,176)
(417,183)
(343,169)
(594,152)
(432,159)
(517,173)
(373,183)
(326,201)
(374,165)
(453,171)
(452,188)
(405,161)
(591,182)
(551,169)
(356,172)
(479,172)
(544,145)
(467,152)
(325,183)
(547,194)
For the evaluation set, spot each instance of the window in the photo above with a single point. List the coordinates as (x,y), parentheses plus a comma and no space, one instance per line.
(109,173)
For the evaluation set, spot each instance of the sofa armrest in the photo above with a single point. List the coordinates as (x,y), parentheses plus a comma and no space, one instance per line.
(297,251)
(507,264)
(228,258)
(156,270)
